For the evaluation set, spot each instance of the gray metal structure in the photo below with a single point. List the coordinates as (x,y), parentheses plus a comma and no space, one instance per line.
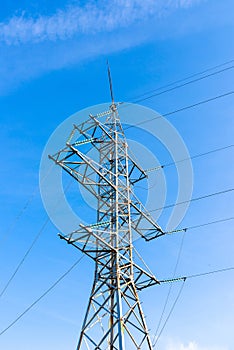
(114,319)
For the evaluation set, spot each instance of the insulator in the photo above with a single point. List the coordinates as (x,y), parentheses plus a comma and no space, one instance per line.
(102,114)
(102,223)
(77,143)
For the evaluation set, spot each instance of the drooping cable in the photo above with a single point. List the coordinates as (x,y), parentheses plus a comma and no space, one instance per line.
(182,85)
(37,236)
(169,314)
(177,279)
(25,256)
(156,336)
(184,79)
(180,109)
(42,296)
(184,278)
(201,225)
(24,208)
(194,199)
(184,229)
(188,158)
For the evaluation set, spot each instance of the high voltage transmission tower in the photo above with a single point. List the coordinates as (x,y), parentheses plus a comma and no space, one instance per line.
(114,319)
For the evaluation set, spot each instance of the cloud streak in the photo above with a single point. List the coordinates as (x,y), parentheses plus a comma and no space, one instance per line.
(94,17)
(32,44)
(191,346)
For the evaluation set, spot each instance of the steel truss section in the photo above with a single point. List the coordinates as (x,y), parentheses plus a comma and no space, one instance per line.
(114,319)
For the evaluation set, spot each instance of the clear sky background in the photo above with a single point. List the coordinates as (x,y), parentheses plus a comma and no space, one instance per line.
(52,64)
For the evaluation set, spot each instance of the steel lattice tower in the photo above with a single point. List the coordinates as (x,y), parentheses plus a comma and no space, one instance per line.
(114,319)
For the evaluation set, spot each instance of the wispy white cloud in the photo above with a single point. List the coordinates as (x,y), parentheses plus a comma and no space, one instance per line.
(191,346)
(32,44)
(94,17)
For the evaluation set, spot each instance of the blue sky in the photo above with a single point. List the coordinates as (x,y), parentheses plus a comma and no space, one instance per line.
(52,64)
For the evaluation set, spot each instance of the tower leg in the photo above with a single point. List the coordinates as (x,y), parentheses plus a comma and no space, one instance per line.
(114,319)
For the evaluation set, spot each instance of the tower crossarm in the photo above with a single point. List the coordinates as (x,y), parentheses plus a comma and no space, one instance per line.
(96,244)
(83,170)
(143,279)
(135,171)
(91,130)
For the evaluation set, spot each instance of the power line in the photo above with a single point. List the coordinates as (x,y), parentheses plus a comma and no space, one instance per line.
(208,223)
(210,272)
(42,296)
(20,213)
(193,199)
(201,225)
(177,279)
(186,78)
(182,85)
(168,316)
(25,256)
(156,336)
(173,279)
(184,278)
(199,103)
(30,248)
(191,227)
(24,208)
(180,109)
(188,158)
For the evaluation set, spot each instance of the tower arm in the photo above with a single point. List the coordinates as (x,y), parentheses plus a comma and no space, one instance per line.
(142,222)
(94,243)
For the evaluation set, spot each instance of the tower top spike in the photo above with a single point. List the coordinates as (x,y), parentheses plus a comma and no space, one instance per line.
(110,84)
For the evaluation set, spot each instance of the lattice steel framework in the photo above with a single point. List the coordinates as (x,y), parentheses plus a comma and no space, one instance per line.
(114,319)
